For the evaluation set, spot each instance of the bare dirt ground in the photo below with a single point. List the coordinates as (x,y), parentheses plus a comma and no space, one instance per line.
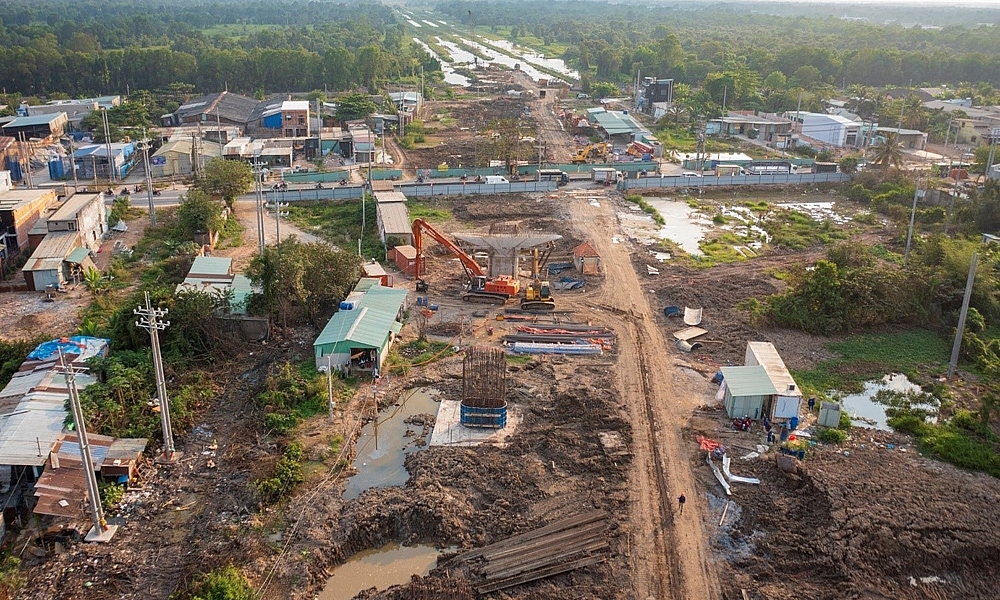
(26,315)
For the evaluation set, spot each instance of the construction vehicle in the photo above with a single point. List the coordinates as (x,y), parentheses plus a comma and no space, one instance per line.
(480,288)
(591,151)
(538,295)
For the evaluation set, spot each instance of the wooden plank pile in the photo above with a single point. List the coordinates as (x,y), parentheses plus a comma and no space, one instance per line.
(560,547)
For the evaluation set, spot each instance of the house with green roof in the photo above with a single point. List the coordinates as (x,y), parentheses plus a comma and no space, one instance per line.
(747,391)
(214,275)
(358,336)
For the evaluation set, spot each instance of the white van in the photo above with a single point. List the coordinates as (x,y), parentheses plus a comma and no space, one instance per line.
(495,179)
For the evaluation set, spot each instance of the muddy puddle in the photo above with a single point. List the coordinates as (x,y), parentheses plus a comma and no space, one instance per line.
(384,443)
(866,412)
(684,225)
(382,568)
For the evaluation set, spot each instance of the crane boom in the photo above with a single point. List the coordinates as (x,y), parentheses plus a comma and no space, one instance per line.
(420,227)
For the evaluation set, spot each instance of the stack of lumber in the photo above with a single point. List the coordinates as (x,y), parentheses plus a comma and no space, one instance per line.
(563,546)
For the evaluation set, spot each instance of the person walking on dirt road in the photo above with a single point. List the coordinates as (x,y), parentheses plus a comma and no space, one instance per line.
(680,500)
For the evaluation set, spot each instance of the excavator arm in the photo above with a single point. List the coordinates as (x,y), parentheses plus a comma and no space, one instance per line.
(421,227)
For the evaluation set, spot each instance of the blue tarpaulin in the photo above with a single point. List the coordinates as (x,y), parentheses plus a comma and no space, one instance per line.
(77,344)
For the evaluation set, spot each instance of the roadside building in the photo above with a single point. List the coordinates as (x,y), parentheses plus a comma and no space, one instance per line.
(827,129)
(290,118)
(19,211)
(908,138)
(617,127)
(95,158)
(58,259)
(373,270)
(655,96)
(361,143)
(764,128)
(84,214)
(358,336)
(43,128)
(213,111)
(178,157)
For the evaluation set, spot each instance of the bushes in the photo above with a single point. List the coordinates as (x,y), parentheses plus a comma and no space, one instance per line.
(224,583)
(287,474)
(831,436)
(292,394)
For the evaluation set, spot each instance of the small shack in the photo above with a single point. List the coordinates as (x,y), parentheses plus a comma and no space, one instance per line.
(375,271)
(788,398)
(358,336)
(587,259)
(746,391)
(214,275)
(405,258)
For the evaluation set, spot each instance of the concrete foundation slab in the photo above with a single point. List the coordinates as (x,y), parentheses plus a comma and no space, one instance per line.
(448,430)
(101,537)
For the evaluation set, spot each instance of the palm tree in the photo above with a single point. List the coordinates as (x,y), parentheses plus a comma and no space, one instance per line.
(888,152)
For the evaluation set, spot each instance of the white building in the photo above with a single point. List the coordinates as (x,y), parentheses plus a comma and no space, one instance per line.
(833,130)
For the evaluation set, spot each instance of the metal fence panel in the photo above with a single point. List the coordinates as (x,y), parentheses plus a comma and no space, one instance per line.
(737,180)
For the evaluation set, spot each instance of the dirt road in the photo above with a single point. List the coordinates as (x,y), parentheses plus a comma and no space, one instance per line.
(559,146)
(670,553)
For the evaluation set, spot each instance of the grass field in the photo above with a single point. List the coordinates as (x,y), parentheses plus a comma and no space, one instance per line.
(917,353)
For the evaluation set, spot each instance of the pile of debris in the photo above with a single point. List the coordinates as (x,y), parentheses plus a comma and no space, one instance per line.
(563,338)
(563,546)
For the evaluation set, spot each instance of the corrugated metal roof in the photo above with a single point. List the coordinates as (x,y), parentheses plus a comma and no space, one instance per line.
(36,120)
(58,245)
(22,383)
(395,218)
(748,381)
(389,196)
(768,357)
(73,206)
(369,323)
(78,256)
(211,266)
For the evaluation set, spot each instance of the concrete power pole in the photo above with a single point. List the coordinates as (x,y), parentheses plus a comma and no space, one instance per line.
(101,532)
(144,146)
(953,363)
(258,173)
(917,194)
(149,319)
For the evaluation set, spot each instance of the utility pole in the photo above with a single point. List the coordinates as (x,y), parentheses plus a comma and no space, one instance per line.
(541,151)
(149,319)
(101,532)
(107,143)
(917,194)
(259,196)
(329,383)
(72,160)
(144,146)
(961,317)
(994,135)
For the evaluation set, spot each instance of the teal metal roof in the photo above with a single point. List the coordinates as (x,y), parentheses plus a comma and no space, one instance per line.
(36,120)
(748,381)
(211,265)
(369,323)
(77,256)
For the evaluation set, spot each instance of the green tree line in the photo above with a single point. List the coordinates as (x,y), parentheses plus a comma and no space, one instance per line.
(92,48)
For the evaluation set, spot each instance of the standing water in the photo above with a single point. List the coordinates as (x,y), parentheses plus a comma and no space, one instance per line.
(382,568)
(866,412)
(381,450)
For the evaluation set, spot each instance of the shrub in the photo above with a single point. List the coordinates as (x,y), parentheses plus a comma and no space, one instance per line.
(831,436)
(287,474)
(225,583)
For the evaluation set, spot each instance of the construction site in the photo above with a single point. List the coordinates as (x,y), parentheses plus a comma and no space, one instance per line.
(550,403)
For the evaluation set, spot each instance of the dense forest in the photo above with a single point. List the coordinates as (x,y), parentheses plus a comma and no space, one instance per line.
(687,45)
(110,46)
(732,54)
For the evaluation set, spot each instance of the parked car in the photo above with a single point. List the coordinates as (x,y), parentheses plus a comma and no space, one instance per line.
(690,174)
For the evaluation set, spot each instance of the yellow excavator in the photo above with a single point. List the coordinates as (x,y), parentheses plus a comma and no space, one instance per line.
(591,151)
(538,294)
